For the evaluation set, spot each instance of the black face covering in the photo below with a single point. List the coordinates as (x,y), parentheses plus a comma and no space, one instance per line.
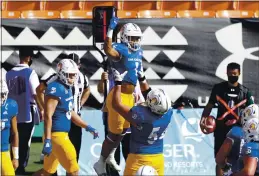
(232,79)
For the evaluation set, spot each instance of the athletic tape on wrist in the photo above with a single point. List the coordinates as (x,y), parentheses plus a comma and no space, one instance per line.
(110,33)
(15,152)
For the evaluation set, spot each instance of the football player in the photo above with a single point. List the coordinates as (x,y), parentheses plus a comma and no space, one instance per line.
(9,110)
(229,152)
(149,123)
(249,159)
(81,92)
(125,56)
(57,121)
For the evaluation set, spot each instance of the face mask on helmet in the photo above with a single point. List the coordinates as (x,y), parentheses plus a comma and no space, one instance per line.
(67,71)
(158,101)
(4,92)
(131,35)
(134,42)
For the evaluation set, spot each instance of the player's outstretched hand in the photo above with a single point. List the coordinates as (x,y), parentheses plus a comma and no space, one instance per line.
(113,22)
(47,148)
(117,76)
(93,131)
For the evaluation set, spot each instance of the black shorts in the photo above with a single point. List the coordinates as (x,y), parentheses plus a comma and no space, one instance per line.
(218,141)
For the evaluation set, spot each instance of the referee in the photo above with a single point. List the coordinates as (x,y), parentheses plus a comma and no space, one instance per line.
(22,82)
(81,92)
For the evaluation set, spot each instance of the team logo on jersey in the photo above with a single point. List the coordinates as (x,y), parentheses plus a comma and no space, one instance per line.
(6,106)
(134,116)
(2,125)
(53,90)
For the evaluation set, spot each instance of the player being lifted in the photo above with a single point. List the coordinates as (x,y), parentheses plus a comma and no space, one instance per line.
(149,122)
(9,110)
(126,56)
(249,159)
(58,115)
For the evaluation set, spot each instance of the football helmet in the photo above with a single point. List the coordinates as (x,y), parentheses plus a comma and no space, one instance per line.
(131,35)
(158,101)
(67,71)
(146,170)
(4,91)
(250,123)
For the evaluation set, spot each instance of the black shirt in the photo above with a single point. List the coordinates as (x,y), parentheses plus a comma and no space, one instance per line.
(228,97)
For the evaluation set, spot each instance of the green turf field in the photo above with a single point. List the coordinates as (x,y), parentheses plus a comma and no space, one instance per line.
(34,159)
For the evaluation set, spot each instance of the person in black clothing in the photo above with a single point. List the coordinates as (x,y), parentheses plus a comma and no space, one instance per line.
(231,98)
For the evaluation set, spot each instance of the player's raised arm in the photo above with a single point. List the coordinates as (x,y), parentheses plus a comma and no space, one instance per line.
(123,110)
(144,86)
(108,49)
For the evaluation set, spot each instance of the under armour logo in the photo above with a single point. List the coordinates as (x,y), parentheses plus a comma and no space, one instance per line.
(231,39)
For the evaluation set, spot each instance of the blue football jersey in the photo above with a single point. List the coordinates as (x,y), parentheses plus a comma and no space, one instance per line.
(8,111)
(62,115)
(149,139)
(236,134)
(250,149)
(130,61)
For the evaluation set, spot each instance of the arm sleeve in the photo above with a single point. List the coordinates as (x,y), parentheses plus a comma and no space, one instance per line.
(119,48)
(34,82)
(234,134)
(213,94)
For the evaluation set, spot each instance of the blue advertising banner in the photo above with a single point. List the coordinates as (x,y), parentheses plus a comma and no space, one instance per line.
(187,150)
